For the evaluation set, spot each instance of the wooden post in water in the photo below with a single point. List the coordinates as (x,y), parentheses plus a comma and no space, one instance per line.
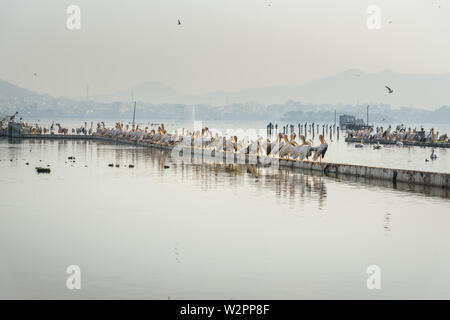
(134,112)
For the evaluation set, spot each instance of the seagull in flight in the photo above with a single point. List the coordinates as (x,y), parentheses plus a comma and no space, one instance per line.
(390,90)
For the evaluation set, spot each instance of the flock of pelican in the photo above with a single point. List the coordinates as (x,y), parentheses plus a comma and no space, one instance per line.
(283,147)
(400,135)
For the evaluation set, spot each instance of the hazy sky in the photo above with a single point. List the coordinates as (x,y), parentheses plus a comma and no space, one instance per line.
(222,45)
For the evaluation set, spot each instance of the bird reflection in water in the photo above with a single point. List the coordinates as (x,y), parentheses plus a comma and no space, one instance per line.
(292,185)
(387,223)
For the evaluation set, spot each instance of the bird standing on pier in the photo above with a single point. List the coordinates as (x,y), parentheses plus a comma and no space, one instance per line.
(321,150)
(304,150)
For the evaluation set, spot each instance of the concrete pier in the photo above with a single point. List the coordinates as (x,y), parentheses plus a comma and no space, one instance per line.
(411,177)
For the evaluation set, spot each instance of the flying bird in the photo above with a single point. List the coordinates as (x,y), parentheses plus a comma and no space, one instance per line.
(390,90)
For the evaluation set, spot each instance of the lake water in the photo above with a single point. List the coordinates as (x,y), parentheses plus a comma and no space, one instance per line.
(212,231)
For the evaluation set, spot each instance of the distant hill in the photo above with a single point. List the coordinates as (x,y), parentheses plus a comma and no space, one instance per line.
(416,99)
(425,91)
(10,91)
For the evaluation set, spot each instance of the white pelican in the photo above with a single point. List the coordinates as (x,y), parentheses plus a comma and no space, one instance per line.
(321,150)
(276,145)
(359,145)
(286,148)
(304,150)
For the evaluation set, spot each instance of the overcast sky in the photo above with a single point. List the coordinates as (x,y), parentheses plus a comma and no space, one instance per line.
(222,45)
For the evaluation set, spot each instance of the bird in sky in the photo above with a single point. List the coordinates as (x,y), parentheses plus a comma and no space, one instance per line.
(389,89)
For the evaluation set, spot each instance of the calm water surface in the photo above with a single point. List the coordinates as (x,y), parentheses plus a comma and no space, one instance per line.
(210,231)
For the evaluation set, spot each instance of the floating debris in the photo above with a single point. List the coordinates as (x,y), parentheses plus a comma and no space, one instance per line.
(71,158)
(117,165)
(27,163)
(131,166)
(166,167)
(110,165)
(42,170)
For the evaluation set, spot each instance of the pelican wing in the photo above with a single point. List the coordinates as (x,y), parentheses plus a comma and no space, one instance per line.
(305,151)
(285,150)
(295,152)
(322,150)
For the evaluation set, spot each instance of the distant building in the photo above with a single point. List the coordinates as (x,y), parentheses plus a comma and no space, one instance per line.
(346,120)
(350,122)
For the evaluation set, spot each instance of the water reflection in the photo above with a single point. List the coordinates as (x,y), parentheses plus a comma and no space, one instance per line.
(293,185)
(288,183)
(387,223)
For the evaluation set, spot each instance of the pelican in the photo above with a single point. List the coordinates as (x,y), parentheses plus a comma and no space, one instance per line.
(359,145)
(433,156)
(321,150)
(304,149)
(61,129)
(230,144)
(277,145)
(286,148)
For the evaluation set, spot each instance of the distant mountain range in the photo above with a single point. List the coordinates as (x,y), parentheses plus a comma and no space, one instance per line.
(416,99)
(424,91)
(11,91)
